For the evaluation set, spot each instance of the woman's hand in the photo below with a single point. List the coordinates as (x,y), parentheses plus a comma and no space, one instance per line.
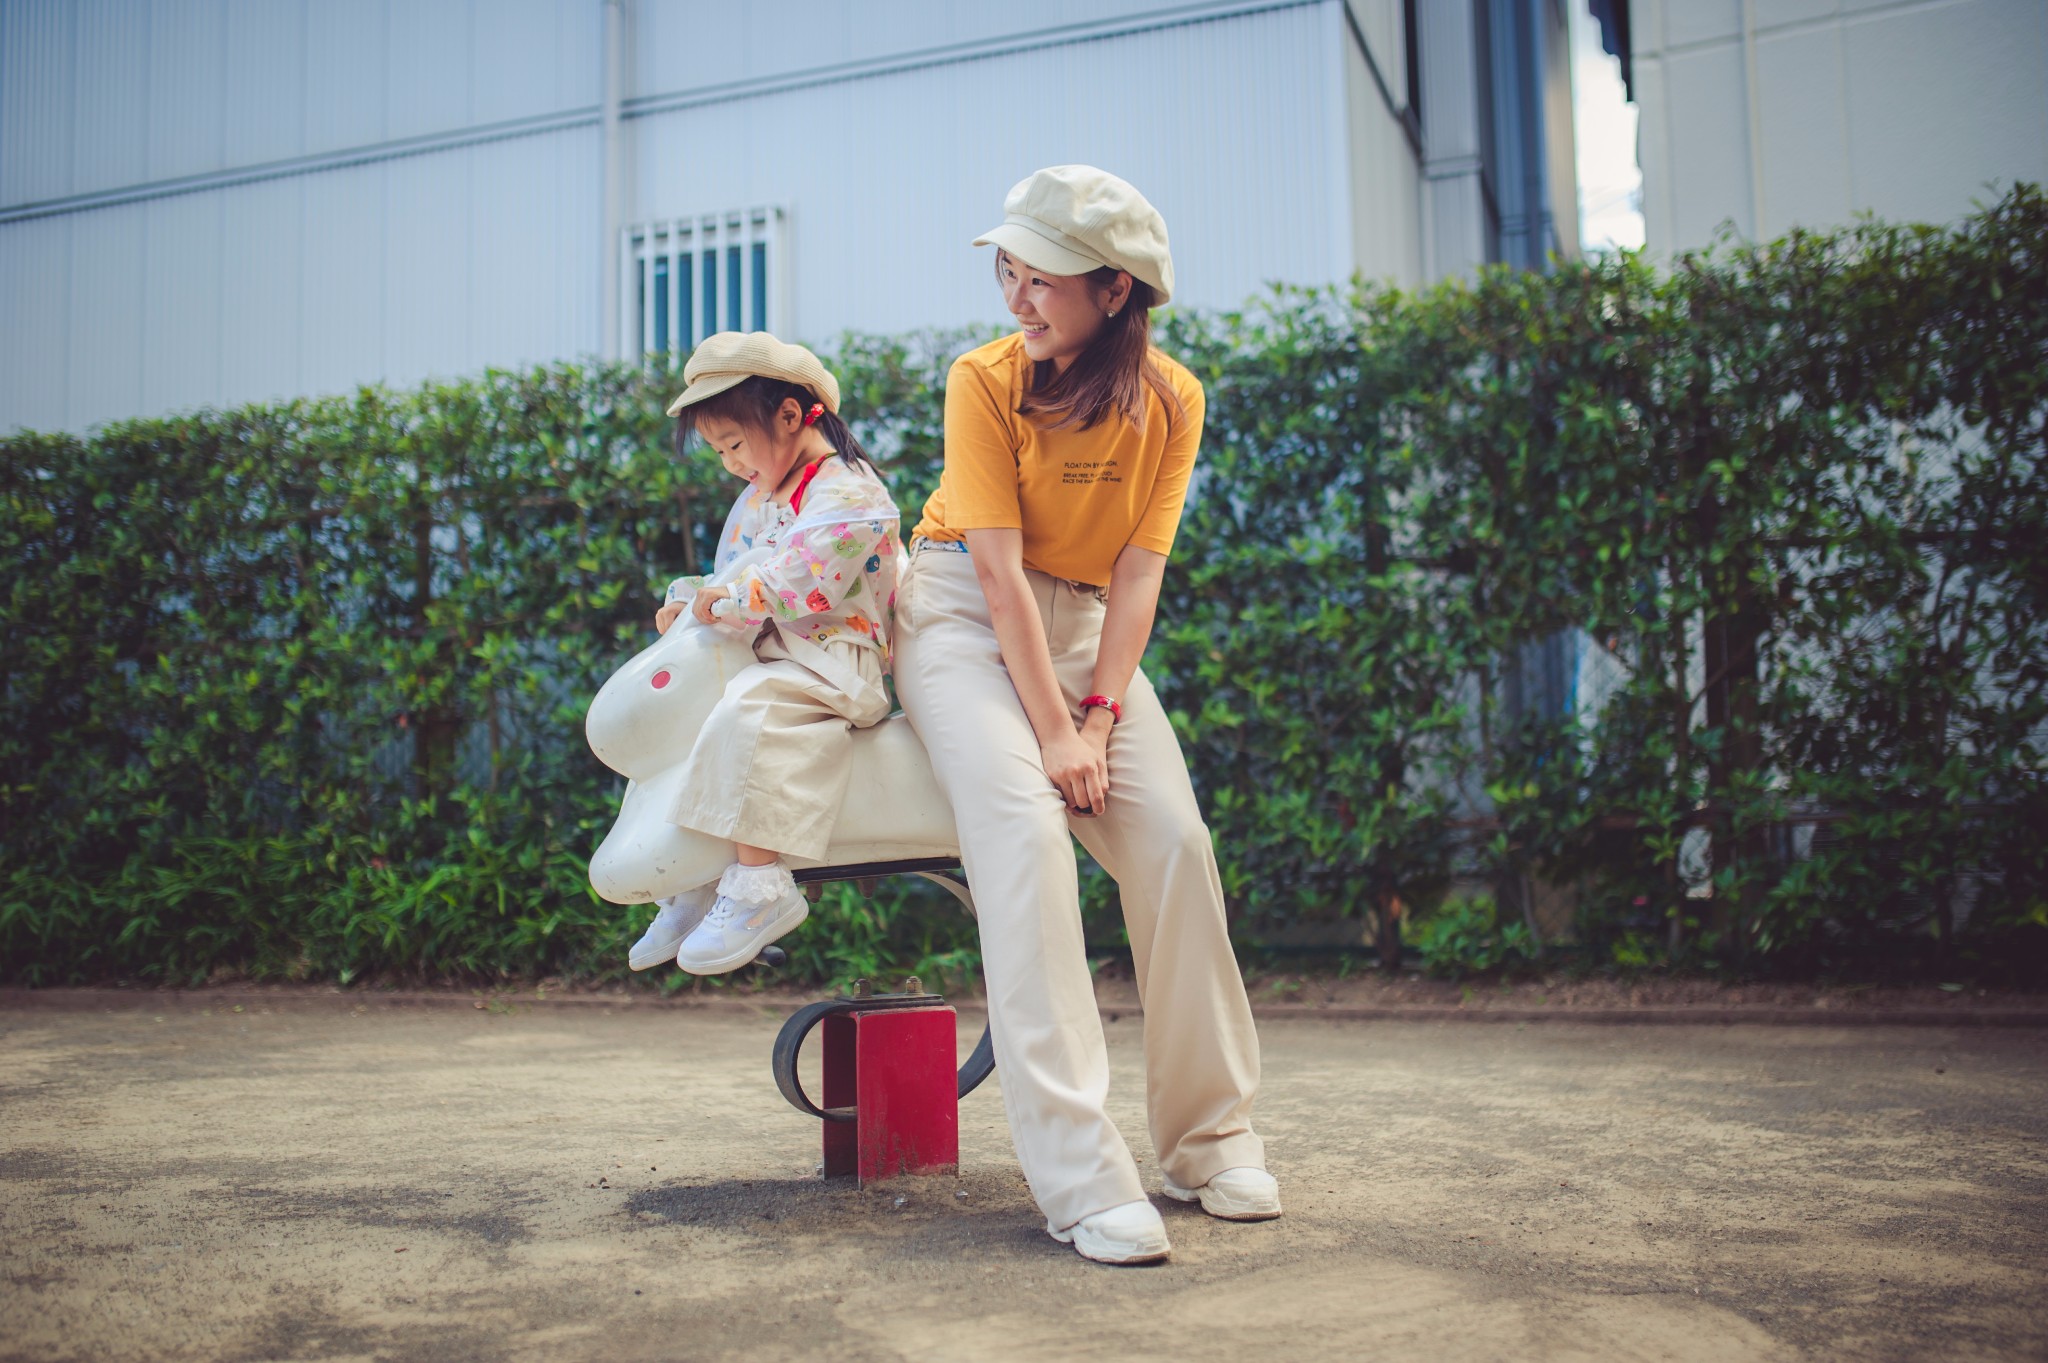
(666,616)
(1079,767)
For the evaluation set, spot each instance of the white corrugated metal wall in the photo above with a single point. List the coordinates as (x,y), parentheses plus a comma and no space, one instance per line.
(888,178)
(436,264)
(97,95)
(694,45)
(393,189)
(1385,166)
(315,253)
(1776,114)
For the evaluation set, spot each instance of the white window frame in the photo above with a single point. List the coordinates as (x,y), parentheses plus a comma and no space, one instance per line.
(644,244)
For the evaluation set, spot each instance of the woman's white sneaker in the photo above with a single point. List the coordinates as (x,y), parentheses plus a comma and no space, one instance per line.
(756,905)
(679,913)
(1129,1234)
(1240,1194)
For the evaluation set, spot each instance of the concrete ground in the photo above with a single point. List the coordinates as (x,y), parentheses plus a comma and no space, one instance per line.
(561,1184)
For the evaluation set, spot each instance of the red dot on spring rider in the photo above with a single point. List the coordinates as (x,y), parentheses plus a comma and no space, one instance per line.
(660,679)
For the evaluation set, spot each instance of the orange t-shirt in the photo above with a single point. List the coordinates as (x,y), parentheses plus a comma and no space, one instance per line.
(1078,496)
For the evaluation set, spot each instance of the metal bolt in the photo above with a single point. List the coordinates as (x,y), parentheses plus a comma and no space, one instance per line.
(862,989)
(913,985)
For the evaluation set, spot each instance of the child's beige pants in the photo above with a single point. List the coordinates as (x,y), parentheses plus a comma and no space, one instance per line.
(1201,1052)
(771,766)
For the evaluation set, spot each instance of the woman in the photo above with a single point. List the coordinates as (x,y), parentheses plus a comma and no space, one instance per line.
(1021,620)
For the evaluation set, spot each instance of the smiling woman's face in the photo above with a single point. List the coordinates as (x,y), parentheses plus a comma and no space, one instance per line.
(1060,314)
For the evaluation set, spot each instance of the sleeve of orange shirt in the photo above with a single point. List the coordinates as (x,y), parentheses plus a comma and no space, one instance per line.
(980,477)
(1157,527)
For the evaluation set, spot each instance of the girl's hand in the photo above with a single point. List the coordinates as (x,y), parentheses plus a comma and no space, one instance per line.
(666,616)
(706,597)
(1079,769)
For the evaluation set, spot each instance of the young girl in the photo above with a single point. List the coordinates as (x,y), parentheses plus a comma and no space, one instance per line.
(806,568)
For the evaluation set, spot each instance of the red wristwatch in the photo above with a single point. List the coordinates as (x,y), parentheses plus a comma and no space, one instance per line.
(1116,712)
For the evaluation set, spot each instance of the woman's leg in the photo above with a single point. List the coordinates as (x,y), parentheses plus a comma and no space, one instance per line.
(1201,1050)
(1050,1056)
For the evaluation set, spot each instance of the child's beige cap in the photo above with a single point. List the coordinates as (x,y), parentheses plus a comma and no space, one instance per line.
(731,357)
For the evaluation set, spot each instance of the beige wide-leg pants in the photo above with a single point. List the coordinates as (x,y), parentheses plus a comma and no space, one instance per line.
(771,766)
(1201,1052)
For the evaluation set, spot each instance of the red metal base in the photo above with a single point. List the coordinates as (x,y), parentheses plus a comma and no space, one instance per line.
(895,1068)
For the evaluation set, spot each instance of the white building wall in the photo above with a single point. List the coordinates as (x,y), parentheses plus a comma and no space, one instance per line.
(212,202)
(1560,137)
(1767,114)
(1384,212)
(392,271)
(1456,214)
(383,263)
(97,95)
(691,45)
(888,177)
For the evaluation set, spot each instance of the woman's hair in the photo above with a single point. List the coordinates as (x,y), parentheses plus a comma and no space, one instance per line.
(1110,374)
(752,403)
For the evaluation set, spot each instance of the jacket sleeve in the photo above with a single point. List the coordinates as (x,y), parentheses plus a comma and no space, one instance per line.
(819,569)
(684,589)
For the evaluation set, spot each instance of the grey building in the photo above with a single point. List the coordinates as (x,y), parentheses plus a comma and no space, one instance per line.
(210,202)
(1770,114)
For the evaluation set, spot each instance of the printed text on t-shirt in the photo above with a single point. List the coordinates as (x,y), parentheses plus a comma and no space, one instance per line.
(1082,473)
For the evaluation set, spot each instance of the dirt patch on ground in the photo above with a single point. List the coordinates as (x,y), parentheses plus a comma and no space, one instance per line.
(519,1182)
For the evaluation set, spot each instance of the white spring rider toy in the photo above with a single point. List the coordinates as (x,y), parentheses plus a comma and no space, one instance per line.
(643,724)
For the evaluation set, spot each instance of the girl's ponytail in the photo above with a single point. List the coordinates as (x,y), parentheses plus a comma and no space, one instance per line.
(841,438)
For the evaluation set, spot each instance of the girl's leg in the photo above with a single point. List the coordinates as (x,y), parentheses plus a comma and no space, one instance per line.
(1201,1050)
(1050,1054)
(769,770)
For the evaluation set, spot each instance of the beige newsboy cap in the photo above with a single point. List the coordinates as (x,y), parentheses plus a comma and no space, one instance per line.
(1069,220)
(729,358)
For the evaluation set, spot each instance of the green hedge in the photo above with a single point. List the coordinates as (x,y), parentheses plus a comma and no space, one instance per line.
(298,690)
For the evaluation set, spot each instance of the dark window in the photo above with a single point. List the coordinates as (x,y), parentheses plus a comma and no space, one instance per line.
(735,298)
(710,292)
(676,294)
(687,278)
(1413,54)
(660,303)
(640,293)
(760,286)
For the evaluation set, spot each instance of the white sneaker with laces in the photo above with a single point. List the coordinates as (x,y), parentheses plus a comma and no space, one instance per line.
(756,905)
(1128,1234)
(1240,1194)
(679,913)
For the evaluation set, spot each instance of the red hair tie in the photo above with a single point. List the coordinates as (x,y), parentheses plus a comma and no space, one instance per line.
(817,410)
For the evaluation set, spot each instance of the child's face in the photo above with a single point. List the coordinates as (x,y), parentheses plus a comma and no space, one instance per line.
(755,456)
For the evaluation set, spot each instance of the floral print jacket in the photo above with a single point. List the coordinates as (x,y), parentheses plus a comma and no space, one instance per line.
(823,568)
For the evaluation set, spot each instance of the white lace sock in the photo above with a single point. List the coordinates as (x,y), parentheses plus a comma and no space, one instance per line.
(756,884)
